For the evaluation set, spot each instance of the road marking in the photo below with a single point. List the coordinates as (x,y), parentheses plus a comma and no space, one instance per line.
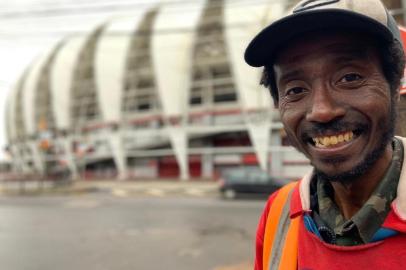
(155,192)
(162,192)
(194,253)
(119,192)
(194,192)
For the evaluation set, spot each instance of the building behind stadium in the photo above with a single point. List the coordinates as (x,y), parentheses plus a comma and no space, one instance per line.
(162,95)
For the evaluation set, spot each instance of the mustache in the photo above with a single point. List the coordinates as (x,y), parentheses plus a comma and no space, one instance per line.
(334,126)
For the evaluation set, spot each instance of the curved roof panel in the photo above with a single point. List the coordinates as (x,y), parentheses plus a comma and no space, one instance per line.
(85,103)
(140,96)
(10,114)
(243,22)
(17,127)
(29,92)
(44,113)
(110,59)
(172,50)
(61,80)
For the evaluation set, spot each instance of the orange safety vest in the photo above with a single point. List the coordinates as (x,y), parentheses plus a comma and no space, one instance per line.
(281,233)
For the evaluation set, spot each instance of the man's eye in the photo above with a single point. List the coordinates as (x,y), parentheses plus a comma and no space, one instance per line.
(295,91)
(350,77)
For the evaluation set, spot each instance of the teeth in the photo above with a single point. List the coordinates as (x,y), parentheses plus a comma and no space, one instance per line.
(319,145)
(326,141)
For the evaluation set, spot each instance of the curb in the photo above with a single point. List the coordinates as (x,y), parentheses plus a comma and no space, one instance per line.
(118,189)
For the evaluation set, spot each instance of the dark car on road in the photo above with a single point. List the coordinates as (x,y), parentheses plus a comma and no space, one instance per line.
(247,181)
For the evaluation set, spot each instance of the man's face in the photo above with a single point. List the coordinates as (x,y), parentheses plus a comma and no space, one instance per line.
(335,102)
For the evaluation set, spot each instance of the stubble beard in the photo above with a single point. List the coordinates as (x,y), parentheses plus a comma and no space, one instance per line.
(361,168)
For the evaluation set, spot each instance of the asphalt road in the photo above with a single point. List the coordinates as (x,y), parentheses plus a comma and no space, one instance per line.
(100,231)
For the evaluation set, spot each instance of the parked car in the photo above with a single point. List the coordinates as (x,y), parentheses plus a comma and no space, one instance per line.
(253,181)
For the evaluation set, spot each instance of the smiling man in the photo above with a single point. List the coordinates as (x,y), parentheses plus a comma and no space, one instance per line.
(334,69)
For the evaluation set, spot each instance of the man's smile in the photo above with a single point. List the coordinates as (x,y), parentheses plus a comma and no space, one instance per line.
(338,145)
(333,140)
(333,137)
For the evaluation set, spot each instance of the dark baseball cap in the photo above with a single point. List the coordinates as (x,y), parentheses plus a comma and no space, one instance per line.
(367,16)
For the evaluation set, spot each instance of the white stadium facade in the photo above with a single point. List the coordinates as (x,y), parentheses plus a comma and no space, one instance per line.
(163,95)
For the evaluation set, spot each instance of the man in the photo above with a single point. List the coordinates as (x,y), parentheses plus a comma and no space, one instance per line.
(334,68)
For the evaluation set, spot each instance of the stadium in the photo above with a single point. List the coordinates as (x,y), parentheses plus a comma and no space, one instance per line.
(163,95)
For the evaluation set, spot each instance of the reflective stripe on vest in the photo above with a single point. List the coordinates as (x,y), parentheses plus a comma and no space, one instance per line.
(281,233)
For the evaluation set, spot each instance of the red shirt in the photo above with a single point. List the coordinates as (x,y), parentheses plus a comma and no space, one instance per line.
(316,254)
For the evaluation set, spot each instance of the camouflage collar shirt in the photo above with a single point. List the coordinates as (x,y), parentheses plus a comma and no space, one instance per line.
(361,228)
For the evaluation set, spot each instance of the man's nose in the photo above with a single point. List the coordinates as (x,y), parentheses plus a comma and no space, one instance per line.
(324,108)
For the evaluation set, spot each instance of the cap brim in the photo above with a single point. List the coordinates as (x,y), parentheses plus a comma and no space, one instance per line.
(263,47)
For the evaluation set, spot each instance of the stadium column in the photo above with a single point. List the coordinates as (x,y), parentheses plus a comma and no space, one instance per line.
(259,132)
(276,157)
(207,165)
(173,69)
(15,166)
(120,159)
(255,101)
(18,159)
(37,157)
(179,140)
(66,144)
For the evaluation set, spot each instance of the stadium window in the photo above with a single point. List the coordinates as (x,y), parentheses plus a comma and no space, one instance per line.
(195,100)
(144,107)
(226,97)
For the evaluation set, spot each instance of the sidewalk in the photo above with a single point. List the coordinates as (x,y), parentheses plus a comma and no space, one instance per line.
(157,188)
